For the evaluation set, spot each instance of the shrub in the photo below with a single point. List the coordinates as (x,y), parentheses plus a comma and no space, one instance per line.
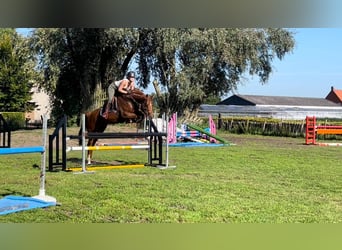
(14,120)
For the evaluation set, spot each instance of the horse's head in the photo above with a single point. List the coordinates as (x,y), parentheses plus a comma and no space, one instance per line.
(137,103)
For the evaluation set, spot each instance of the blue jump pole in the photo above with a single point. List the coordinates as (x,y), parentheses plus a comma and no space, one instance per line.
(35,149)
(22,150)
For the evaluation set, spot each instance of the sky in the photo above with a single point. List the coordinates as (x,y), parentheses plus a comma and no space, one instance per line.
(314,66)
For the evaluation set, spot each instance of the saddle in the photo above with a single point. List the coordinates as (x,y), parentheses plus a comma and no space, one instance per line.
(136,97)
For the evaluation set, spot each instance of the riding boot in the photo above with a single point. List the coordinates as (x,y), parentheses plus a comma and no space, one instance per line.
(105,114)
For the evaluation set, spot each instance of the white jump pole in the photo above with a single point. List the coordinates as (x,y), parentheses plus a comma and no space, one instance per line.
(42,196)
(167,143)
(84,170)
(165,119)
(83,143)
(167,166)
(116,147)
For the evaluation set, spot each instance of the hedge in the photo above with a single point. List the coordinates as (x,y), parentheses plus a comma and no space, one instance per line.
(14,120)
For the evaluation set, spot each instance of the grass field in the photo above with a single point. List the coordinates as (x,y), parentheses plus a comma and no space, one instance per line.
(258,180)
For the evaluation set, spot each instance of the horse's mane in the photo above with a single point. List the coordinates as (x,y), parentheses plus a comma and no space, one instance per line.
(138,101)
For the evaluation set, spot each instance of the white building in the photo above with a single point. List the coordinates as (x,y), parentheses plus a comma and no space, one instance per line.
(42,102)
(280,107)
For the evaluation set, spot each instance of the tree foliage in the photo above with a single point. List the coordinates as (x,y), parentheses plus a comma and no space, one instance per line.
(187,67)
(192,65)
(16,72)
(76,62)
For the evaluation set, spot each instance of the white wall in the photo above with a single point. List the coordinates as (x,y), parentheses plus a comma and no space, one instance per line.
(42,100)
(279,112)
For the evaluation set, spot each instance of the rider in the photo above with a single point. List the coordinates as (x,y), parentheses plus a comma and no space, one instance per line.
(124,86)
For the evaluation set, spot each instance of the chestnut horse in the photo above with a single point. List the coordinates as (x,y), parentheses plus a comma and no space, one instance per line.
(133,107)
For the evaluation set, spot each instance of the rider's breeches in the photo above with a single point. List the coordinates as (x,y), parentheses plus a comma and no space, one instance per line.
(111,91)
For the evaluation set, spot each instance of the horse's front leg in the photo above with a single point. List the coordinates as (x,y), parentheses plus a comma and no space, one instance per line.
(89,156)
(91,142)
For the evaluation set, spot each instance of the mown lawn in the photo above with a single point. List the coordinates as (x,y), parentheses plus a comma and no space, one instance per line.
(258,180)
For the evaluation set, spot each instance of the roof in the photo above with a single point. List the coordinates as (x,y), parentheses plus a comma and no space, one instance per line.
(338,93)
(254,100)
(335,95)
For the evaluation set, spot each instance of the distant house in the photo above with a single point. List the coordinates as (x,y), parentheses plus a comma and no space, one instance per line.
(334,95)
(42,102)
(281,107)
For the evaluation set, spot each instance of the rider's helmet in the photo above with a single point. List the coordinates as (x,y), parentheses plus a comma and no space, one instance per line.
(130,74)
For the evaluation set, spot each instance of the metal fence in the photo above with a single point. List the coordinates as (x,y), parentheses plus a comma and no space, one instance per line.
(261,127)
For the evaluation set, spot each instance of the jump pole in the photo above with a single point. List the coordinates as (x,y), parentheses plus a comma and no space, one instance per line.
(84,169)
(108,167)
(35,149)
(167,127)
(313,130)
(167,145)
(115,147)
(84,148)
(42,195)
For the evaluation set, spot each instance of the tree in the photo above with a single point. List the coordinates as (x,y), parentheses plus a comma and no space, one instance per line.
(187,67)
(75,63)
(192,65)
(16,72)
